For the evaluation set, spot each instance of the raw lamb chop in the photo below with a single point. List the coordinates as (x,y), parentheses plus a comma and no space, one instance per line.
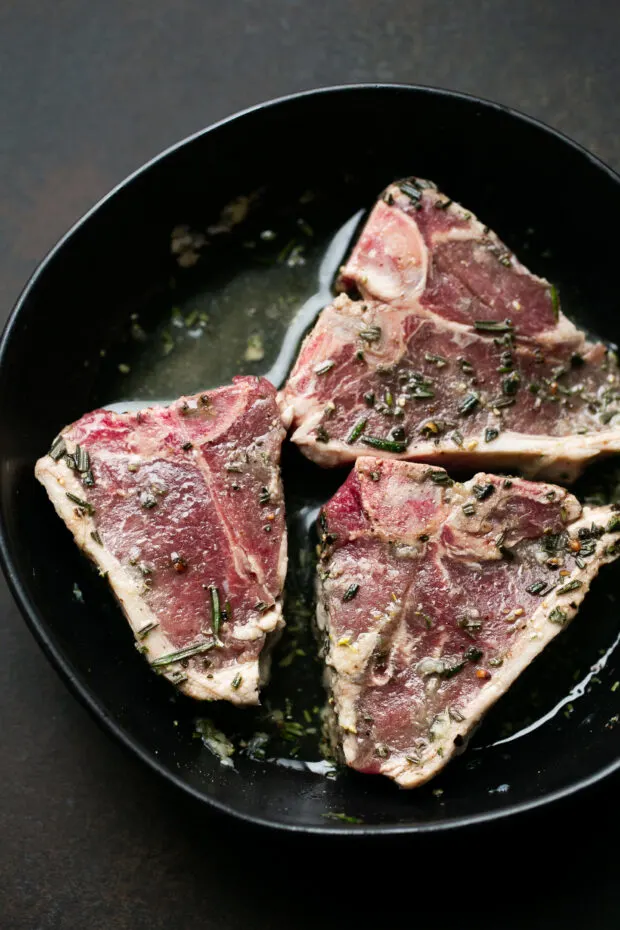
(434,596)
(181,508)
(455,354)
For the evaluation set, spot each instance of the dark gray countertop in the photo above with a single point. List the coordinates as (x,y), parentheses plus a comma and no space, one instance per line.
(89,91)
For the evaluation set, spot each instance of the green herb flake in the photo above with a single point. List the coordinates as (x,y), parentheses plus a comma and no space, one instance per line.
(321,433)
(469,404)
(370,334)
(236,682)
(510,384)
(385,445)
(614,524)
(437,360)
(96,537)
(558,615)
(615,686)
(408,188)
(483,491)
(555,301)
(324,367)
(216,613)
(439,477)
(570,586)
(183,654)
(357,431)
(59,448)
(537,587)
(457,437)
(490,434)
(469,509)
(494,326)
(81,503)
(350,593)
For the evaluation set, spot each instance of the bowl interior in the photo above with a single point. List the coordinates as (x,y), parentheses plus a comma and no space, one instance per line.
(259,212)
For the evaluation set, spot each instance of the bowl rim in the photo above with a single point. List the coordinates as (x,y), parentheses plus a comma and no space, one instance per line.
(35,619)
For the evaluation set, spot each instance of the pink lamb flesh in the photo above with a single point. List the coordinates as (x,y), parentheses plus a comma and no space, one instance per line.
(452,352)
(187,499)
(434,596)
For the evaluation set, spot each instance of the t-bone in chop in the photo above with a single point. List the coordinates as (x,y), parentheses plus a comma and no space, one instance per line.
(181,508)
(434,596)
(454,354)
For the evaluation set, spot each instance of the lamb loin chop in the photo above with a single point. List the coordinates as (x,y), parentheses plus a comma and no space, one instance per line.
(453,354)
(181,508)
(434,596)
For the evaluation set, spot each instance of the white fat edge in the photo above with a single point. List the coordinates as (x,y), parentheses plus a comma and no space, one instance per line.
(535,633)
(219,686)
(57,480)
(537,456)
(268,622)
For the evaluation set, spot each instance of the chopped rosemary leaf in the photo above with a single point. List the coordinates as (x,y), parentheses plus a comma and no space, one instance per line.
(482,491)
(439,477)
(537,587)
(370,334)
(82,459)
(80,503)
(412,192)
(555,301)
(468,509)
(324,367)
(422,391)
(470,403)
(183,654)
(510,384)
(490,434)
(494,326)
(570,586)
(235,683)
(264,497)
(96,537)
(59,447)
(614,524)
(438,360)
(357,430)
(216,613)
(321,433)
(557,615)
(457,437)
(385,445)
(350,593)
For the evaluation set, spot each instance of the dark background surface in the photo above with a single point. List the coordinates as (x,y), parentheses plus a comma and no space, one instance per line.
(88,91)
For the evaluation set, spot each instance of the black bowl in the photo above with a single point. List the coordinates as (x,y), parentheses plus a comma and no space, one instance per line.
(320,158)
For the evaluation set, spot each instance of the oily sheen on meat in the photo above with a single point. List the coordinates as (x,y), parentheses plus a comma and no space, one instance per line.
(452,352)
(434,596)
(182,509)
